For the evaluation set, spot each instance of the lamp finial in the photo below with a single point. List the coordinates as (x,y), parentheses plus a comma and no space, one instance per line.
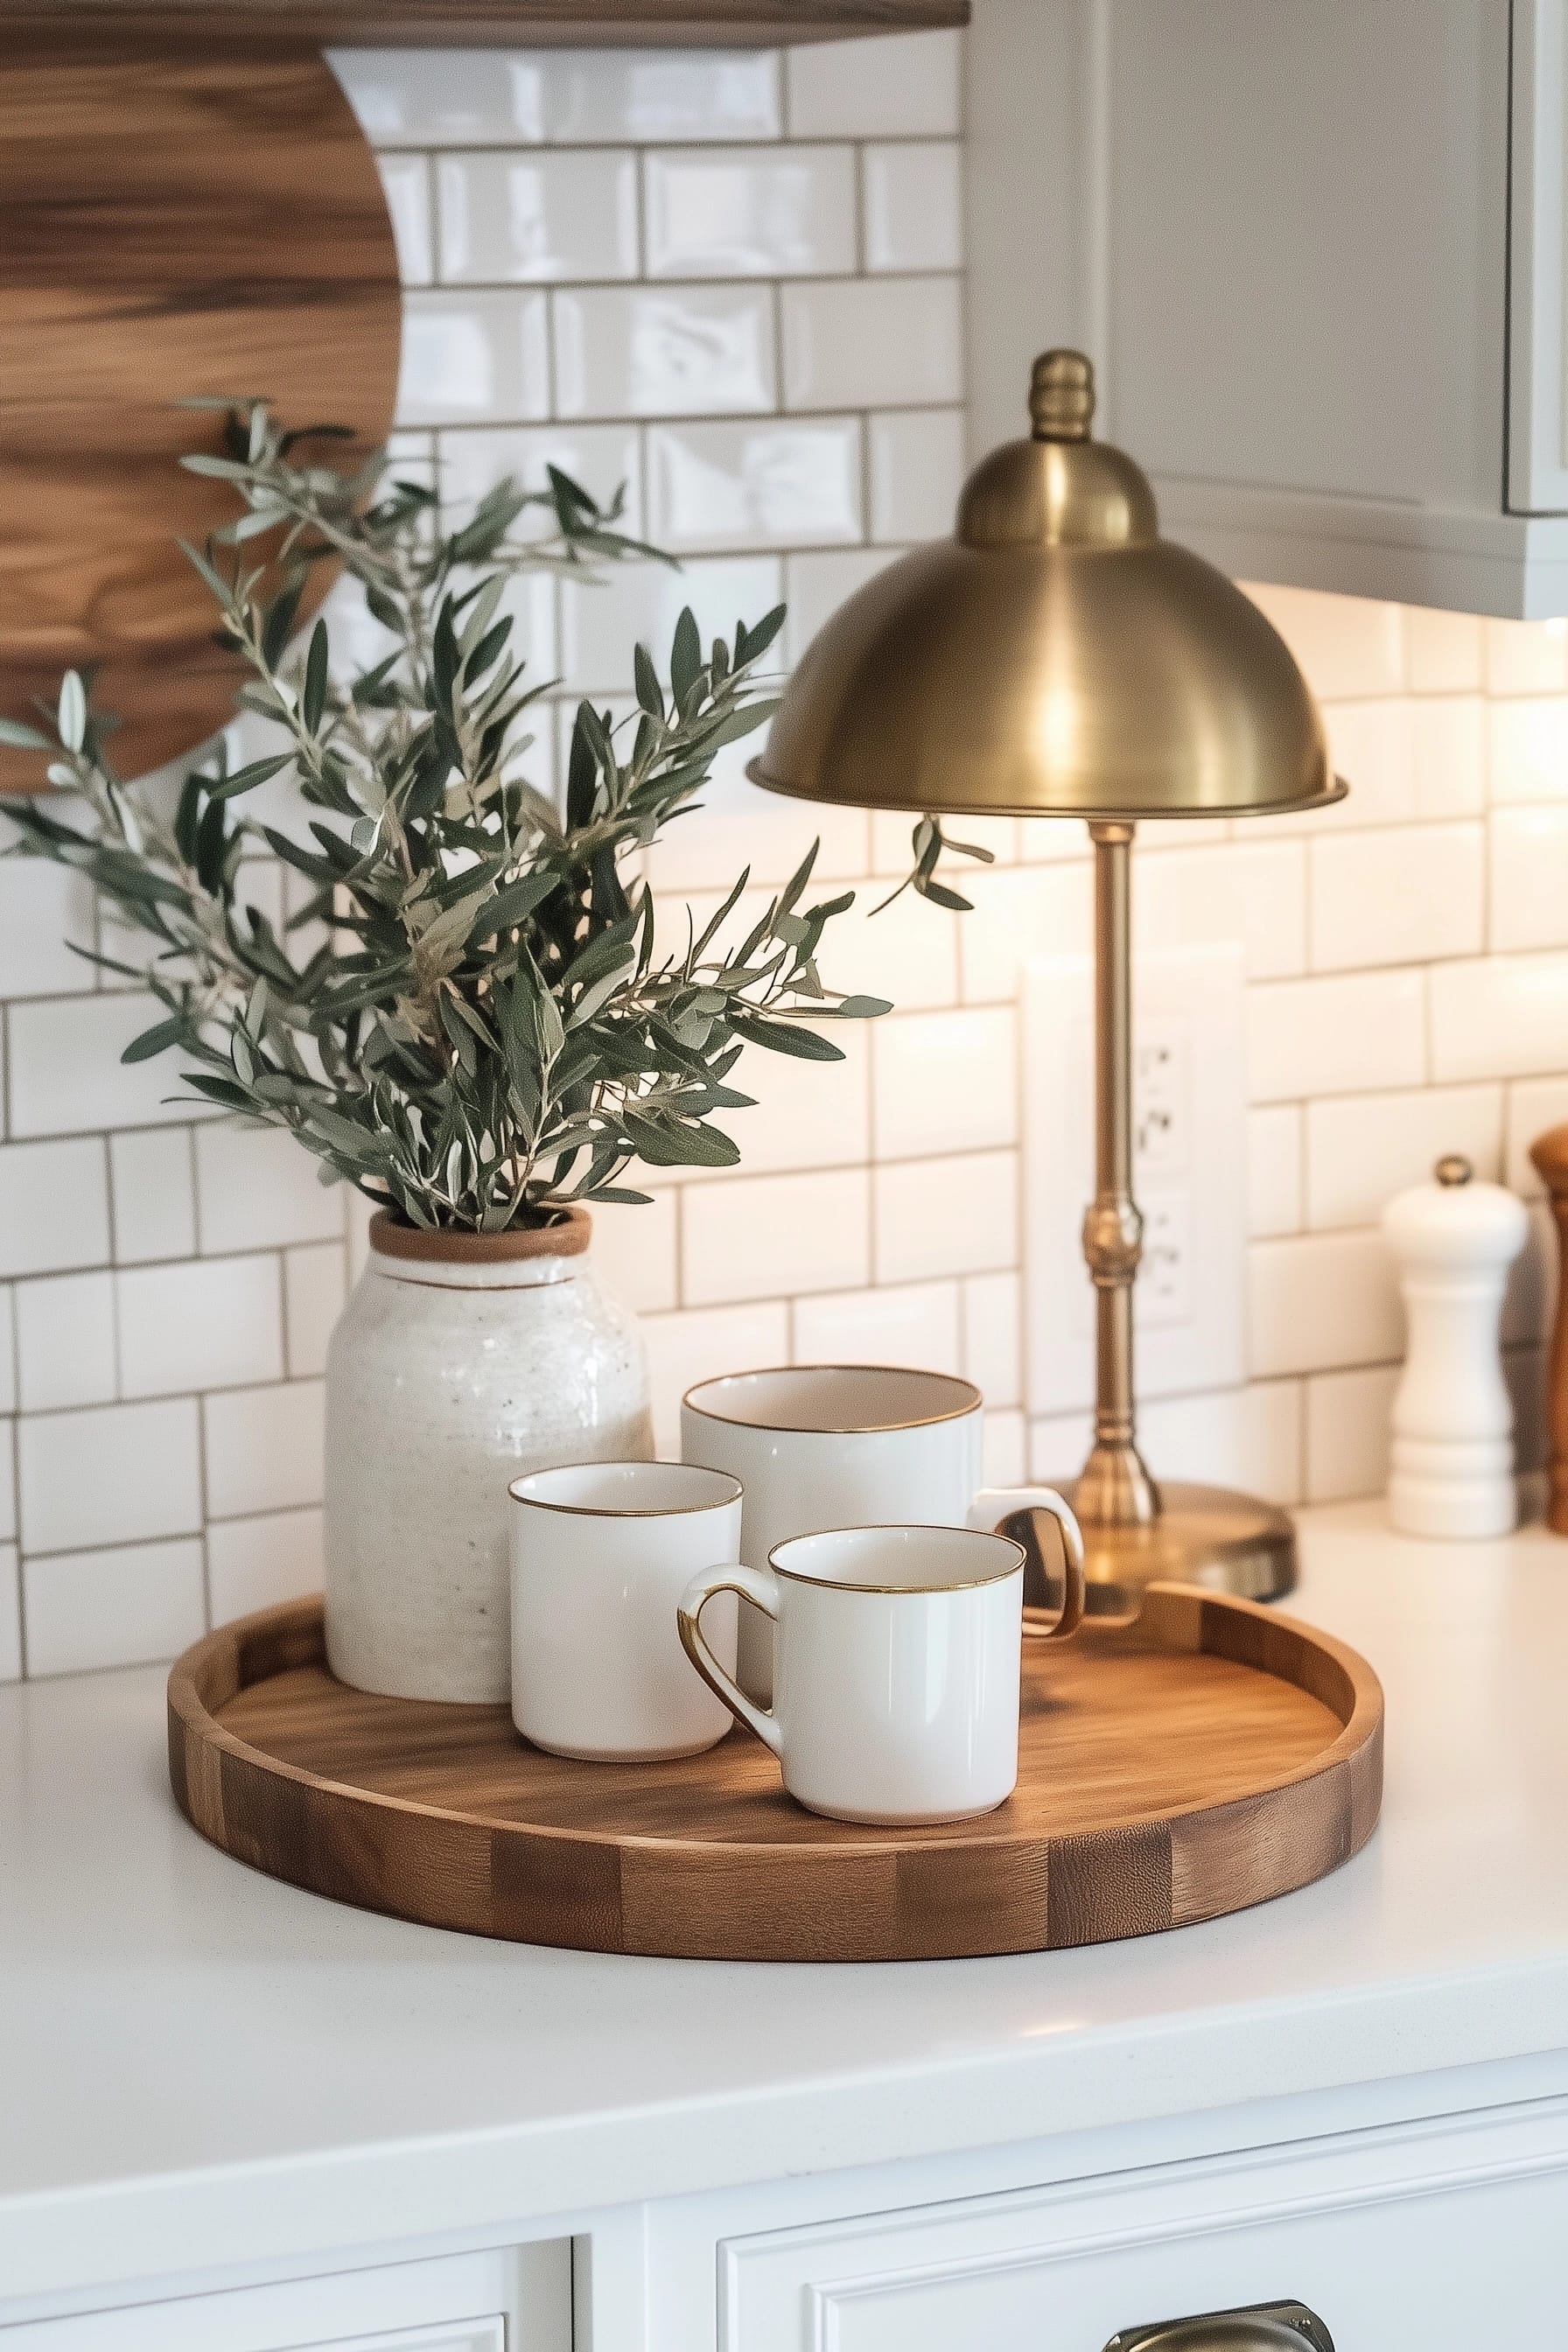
(1061,396)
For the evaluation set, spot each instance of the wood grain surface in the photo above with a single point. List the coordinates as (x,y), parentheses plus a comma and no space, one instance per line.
(240,25)
(1209,1758)
(172,226)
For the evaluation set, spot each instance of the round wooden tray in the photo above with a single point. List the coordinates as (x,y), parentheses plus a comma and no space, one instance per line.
(1209,1757)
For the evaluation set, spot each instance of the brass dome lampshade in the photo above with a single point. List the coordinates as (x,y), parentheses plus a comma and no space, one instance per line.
(1057,657)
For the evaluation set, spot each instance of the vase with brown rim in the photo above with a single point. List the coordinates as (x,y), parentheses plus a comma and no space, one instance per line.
(460,1362)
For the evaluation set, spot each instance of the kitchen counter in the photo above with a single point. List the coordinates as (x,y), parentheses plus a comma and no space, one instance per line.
(193,2054)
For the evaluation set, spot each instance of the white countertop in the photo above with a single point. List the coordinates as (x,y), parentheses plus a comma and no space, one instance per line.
(195,2055)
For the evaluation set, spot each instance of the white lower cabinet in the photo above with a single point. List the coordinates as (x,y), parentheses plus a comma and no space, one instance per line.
(1448,2236)
(512,2299)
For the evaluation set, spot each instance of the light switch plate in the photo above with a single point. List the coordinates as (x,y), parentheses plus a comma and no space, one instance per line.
(1189,1174)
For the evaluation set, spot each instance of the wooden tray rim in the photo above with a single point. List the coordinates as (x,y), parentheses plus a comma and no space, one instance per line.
(1160,1614)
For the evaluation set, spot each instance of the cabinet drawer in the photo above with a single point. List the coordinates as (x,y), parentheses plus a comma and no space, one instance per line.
(516,2299)
(1446,2235)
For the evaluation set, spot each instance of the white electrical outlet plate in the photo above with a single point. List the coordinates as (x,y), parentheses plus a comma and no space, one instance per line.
(1188,1174)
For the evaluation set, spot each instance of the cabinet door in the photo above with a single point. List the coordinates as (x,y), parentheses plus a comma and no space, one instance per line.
(1444,2237)
(516,2299)
(1538,257)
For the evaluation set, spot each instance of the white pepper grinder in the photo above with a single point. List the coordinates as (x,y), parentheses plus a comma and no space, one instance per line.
(1455,1240)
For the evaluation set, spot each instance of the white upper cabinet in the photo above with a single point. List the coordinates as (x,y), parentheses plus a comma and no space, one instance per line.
(1318,252)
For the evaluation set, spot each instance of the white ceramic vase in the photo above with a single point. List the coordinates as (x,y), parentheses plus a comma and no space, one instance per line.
(460,1362)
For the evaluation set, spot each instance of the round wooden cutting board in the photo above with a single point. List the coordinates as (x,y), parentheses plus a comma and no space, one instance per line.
(172,225)
(1208,1757)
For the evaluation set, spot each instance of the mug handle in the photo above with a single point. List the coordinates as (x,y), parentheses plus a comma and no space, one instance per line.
(994,1505)
(756,1585)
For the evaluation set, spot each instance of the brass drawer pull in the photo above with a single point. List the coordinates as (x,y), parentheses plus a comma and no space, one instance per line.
(1261,2327)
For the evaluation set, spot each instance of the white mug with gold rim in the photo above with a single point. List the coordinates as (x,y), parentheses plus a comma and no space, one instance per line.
(601,1553)
(821,1446)
(897,1660)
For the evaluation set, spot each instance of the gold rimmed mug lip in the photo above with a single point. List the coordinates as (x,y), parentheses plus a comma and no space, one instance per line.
(900,1527)
(695,1470)
(973,1401)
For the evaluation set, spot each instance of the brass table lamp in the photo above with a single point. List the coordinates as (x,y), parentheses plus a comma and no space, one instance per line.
(1056,658)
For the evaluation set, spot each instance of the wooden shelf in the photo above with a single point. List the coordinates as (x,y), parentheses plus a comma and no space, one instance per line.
(478,24)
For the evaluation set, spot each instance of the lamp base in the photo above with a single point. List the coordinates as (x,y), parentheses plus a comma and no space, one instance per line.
(1203,1535)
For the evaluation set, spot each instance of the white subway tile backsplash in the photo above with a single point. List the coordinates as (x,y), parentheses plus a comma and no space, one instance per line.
(756,1236)
(1348,1418)
(255,1188)
(43,910)
(885,342)
(1248,1438)
(476,357)
(1058,1446)
(1349,645)
(53,1205)
(806,1114)
(816,584)
(1005,1457)
(407,182)
(1252,891)
(1373,746)
(917,467)
(787,212)
(1018,913)
(640,261)
(1363,1149)
(216,1323)
(126,1606)
(1499,1016)
(1350,1033)
(8,1471)
(741,827)
(65,1341)
(1528,877)
(1526,656)
(651,95)
(754,484)
(604,458)
(443,98)
(636,1248)
(117,1474)
(66,1073)
(902,85)
(1405,896)
(255,1564)
(1446,651)
(916,1324)
(1274,1169)
(992,1307)
(152,1187)
(906,952)
(1449,749)
(944,1082)
(1320,1300)
(314,1286)
(664,350)
(913,206)
(684,1348)
(263,1448)
(10,1613)
(946,1216)
(1528,750)
(599,623)
(519,219)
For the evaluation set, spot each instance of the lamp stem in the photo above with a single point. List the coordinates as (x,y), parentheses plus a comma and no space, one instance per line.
(1114,1489)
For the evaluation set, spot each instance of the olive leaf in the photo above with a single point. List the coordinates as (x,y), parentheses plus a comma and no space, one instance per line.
(471,1013)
